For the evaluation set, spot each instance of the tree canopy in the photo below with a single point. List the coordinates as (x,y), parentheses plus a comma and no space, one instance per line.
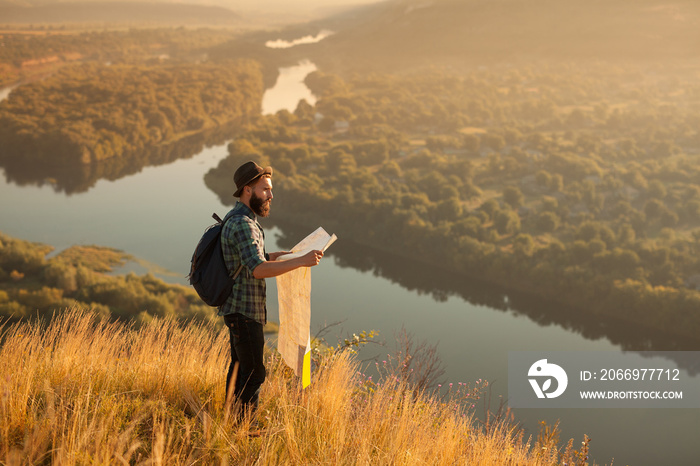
(90,112)
(577,186)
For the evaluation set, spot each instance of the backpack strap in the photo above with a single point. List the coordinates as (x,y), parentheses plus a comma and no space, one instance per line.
(223,222)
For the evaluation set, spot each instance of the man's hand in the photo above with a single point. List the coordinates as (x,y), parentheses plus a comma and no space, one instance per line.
(275,255)
(271,268)
(311,258)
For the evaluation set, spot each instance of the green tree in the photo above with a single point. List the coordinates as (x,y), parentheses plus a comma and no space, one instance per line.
(325,84)
(547,222)
(556,183)
(469,226)
(656,190)
(513,196)
(506,222)
(543,178)
(523,245)
(304,110)
(490,207)
(654,208)
(448,210)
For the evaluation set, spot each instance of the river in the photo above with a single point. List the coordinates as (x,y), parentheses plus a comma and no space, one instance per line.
(5,92)
(289,89)
(137,212)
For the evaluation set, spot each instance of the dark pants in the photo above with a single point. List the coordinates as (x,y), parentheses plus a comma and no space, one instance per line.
(247,341)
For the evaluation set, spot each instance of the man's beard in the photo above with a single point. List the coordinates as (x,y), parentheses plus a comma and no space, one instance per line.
(259,206)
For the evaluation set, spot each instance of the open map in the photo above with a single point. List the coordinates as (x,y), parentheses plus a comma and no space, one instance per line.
(294,298)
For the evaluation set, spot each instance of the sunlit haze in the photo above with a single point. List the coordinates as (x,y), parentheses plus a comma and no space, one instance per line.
(504,177)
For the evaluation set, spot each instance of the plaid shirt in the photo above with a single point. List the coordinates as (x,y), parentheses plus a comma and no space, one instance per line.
(243,240)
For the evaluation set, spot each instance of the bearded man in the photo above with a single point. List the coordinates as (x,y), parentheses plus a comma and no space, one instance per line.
(245,311)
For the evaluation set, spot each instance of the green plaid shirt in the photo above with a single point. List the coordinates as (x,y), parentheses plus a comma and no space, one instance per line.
(243,241)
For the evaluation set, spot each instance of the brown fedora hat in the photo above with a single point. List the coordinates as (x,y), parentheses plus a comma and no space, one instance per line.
(247,173)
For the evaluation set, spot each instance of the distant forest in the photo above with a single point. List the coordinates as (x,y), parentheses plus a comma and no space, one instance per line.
(25,55)
(576,184)
(126,13)
(456,33)
(88,113)
(104,104)
(32,285)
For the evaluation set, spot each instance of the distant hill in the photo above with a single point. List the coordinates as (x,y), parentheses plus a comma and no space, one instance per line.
(478,31)
(117,12)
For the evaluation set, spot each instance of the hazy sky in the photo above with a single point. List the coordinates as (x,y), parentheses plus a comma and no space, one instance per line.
(285,4)
(284,10)
(262,4)
(232,4)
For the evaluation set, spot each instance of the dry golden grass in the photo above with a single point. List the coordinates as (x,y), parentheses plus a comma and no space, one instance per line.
(82,391)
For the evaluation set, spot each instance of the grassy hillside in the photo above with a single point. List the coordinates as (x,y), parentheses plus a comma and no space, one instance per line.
(81,392)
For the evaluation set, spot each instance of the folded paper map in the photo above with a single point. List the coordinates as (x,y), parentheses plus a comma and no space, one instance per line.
(319,240)
(294,298)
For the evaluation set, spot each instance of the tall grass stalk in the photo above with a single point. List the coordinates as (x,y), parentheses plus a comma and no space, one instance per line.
(77,390)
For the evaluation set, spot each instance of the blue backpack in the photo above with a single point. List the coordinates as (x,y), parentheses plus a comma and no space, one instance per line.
(209,275)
